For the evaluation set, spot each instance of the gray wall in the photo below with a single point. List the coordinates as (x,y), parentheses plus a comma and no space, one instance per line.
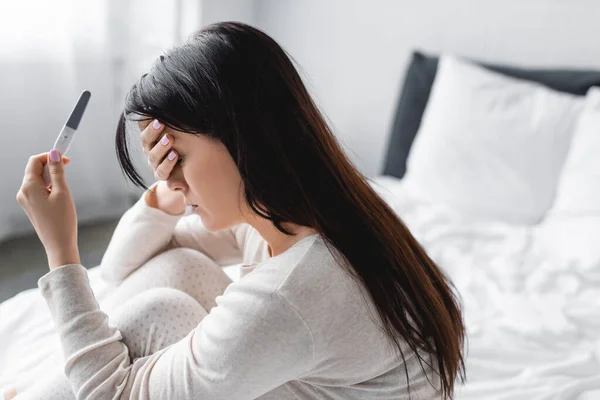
(355,52)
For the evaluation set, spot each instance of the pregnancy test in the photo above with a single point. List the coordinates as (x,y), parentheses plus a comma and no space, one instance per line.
(67,133)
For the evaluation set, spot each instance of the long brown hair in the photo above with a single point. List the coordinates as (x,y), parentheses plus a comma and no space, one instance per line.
(234,83)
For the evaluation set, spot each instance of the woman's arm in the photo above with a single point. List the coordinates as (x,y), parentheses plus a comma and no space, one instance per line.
(250,343)
(146,230)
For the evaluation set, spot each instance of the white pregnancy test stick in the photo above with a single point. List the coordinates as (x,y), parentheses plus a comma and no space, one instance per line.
(67,133)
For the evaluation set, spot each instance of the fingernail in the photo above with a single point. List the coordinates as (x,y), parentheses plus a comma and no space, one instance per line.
(165,140)
(54,155)
(171,155)
(156,124)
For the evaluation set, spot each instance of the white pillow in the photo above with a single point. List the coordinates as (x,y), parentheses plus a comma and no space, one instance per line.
(578,191)
(570,232)
(489,145)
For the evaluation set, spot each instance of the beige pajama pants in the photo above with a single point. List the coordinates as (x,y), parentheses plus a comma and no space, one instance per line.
(154,307)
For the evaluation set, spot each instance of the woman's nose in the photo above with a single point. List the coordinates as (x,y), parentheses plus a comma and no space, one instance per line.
(174,183)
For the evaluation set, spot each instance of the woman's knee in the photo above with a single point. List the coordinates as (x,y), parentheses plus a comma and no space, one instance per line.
(190,271)
(155,319)
(186,256)
(182,268)
(182,263)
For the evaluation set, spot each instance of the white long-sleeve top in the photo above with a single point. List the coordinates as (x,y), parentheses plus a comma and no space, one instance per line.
(294,326)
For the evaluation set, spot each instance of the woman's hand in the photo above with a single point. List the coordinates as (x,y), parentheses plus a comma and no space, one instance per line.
(161,158)
(51,211)
(158,151)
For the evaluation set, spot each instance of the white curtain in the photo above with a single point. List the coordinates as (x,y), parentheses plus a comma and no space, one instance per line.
(50,51)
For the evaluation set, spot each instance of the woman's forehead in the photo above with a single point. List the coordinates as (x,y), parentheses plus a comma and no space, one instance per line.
(176,134)
(142,124)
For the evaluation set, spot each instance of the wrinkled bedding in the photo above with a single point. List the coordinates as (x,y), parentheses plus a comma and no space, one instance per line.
(533,324)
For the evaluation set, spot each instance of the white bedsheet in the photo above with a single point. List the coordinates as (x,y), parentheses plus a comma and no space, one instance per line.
(533,325)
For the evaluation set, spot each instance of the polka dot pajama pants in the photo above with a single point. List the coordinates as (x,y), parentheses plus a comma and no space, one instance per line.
(154,307)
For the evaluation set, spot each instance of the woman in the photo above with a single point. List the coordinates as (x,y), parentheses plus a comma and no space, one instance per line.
(345,304)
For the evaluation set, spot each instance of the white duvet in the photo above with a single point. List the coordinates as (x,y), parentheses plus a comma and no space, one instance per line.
(533,323)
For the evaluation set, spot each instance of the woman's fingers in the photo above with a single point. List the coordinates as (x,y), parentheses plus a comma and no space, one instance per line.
(158,147)
(163,171)
(160,151)
(150,135)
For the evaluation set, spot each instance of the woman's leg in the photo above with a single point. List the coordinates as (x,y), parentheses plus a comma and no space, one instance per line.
(188,271)
(185,269)
(148,322)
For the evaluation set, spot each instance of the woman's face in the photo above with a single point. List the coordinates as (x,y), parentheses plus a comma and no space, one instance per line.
(208,177)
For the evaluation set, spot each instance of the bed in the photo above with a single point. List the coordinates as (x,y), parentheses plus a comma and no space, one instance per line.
(530,289)
(529,280)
